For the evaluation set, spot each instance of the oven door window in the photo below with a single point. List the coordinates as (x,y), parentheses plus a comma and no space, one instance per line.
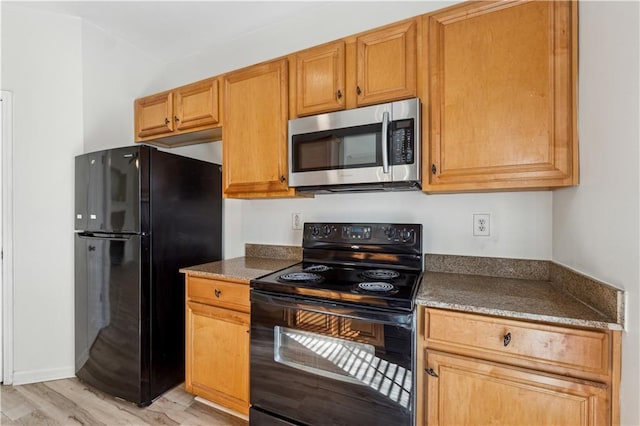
(352,147)
(339,359)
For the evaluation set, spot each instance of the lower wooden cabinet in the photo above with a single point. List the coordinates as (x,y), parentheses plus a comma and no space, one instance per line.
(469,391)
(217,342)
(478,369)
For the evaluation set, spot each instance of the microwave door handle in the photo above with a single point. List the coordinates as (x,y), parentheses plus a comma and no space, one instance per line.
(385,142)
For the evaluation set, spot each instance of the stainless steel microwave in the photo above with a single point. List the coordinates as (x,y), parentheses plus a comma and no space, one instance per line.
(363,149)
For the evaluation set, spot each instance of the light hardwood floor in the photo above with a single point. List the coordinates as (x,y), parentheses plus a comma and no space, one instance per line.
(71,402)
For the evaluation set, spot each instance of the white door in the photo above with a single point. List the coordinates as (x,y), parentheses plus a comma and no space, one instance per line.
(2,101)
(6,237)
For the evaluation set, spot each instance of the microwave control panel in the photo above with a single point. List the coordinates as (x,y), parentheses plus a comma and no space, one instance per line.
(402,142)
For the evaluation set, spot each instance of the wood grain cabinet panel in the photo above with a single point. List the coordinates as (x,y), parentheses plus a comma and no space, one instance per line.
(153,115)
(217,341)
(197,105)
(386,64)
(502,96)
(479,369)
(320,79)
(218,355)
(182,116)
(255,136)
(224,294)
(583,350)
(373,67)
(466,391)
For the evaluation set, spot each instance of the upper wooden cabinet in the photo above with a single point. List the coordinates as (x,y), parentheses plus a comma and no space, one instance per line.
(501,85)
(386,64)
(373,67)
(186,115)
(320,79)
(254,148)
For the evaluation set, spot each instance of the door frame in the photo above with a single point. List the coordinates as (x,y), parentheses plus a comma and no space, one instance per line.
(6,102)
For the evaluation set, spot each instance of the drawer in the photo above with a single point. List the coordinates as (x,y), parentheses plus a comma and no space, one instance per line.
(474,335)
(225,294)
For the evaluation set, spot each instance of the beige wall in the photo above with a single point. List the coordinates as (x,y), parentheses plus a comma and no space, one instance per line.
(596,226)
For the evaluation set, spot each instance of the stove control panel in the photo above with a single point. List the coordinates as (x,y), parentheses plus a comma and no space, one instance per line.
(365,233)
(355,232)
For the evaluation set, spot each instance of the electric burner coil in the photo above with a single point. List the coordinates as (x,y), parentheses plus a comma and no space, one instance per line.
(316,268)
(377,287)
(300,277)
(381,274)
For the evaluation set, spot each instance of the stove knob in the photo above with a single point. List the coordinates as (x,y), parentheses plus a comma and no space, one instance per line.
(406,235)
(391,233)
(315,230)
(326,230)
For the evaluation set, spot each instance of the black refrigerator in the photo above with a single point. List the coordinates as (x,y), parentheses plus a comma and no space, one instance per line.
(140,215)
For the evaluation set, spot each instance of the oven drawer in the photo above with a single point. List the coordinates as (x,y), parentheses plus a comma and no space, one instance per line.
(224,294)
(483,336)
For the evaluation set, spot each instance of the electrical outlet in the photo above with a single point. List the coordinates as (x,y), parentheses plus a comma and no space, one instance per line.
(481,224)
(296,221)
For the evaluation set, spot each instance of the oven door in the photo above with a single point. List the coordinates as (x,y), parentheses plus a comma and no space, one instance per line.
(318,363)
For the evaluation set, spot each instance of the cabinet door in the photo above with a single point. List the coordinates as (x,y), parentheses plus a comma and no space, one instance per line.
(386,64)
(320,79)
(197,105)
(467,391)
(255,134)
(502,96)
(217,355)
(154,115)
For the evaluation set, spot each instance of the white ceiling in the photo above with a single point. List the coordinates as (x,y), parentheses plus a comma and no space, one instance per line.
(172,30)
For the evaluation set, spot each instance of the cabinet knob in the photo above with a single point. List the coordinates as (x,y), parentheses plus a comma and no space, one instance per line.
(283,179)
(431,372)
(358,91)
(175,117)
(339,94)
(217,292)
(507,339)
(433,169)
(166,121)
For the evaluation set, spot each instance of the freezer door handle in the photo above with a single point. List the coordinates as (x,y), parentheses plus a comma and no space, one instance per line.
(105,236)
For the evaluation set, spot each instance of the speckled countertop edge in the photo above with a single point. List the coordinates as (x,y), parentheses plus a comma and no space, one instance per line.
(532,290)
(250,266)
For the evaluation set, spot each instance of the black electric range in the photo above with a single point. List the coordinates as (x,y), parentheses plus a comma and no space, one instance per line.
(370,264)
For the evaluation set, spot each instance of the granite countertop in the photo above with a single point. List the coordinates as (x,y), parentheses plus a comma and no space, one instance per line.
(259,259)
(238,268)
(511,288)
(535,299)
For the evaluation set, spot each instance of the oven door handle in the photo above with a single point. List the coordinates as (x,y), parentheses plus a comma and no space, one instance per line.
(404,320)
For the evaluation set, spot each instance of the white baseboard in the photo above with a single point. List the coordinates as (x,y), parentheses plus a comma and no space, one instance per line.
(35,376)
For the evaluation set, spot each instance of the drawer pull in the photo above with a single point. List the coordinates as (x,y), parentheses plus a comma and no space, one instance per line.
(218,293)
(507,339)
(431,372)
